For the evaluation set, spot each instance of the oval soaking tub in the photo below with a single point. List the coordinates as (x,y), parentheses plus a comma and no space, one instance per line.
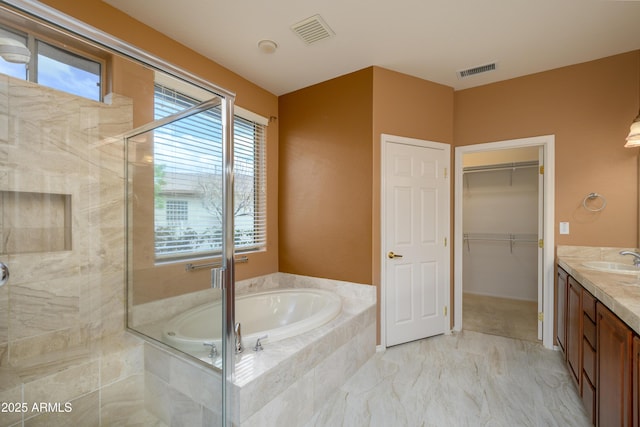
(279,314)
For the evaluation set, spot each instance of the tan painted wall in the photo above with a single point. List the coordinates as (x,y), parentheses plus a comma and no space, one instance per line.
(330,166)
(248,95)
(410,107)
(325,179)
(588,107)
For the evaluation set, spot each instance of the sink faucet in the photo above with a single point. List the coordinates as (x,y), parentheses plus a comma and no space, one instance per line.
(238,334)
(635,255)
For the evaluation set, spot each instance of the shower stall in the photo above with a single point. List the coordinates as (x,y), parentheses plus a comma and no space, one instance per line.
(81,183)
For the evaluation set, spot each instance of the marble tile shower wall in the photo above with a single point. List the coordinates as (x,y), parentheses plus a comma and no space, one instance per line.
(62,336)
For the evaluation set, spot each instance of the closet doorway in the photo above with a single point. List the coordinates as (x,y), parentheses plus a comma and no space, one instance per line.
(504,239)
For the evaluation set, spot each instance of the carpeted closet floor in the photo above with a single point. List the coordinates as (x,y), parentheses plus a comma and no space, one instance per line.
(500,316)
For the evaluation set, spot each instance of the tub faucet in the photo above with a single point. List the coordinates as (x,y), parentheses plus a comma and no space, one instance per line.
(258,346)
(214,350)
(635,255)
(238,334)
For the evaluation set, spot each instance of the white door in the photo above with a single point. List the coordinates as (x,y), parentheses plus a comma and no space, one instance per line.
(415,231)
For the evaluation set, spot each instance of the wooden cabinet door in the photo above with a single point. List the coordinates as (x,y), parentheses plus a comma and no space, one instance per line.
(561,310)
(636,381)
(613,370)
(574,330)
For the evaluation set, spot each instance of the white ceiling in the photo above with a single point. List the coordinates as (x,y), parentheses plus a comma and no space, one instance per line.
(430,39)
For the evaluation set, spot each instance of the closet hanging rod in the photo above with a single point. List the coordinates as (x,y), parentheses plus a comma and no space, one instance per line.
(511,238)
(487,239)
(501,166)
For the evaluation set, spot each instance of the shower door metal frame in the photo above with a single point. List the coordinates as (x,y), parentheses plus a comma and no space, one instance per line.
(75,28)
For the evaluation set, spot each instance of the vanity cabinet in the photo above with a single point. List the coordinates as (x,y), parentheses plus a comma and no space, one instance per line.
(574,330)
(601,352)
(635,391)
(615,341)
(589,355)
(561,306)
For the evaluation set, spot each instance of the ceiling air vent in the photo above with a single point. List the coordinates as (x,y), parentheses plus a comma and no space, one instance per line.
(477,70)
(312,29)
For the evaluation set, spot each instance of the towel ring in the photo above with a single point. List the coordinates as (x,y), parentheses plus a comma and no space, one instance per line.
(592,196)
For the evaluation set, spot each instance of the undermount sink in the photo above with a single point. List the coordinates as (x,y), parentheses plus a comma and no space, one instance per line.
(612,267)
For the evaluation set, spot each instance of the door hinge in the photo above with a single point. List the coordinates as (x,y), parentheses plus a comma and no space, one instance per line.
(445,242)
(541,243)
(541,317)
(445,310)
(541,169)
(445,172)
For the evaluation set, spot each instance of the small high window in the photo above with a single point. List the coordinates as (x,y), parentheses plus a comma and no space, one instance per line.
(68,72)
(54,66)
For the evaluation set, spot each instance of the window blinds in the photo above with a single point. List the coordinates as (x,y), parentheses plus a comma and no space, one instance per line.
(188,169)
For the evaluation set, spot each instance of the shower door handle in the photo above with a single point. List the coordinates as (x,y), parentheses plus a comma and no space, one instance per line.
(4,273)
(217,278)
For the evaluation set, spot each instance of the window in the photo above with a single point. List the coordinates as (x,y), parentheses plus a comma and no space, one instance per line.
(65,71)
(55,67)
(13,69)
(188,180)
(177,211)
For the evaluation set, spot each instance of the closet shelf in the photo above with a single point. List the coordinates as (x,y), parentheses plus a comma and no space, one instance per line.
(499,237)
(501,166)
(511,167)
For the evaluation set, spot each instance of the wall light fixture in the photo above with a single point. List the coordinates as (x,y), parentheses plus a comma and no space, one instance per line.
(14,51)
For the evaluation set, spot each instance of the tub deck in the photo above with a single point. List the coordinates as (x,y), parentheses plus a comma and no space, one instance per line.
(290,379)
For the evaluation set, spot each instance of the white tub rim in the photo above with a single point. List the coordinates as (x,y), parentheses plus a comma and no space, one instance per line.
(190,344)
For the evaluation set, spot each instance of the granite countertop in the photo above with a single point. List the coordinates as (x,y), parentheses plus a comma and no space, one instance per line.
(620,293)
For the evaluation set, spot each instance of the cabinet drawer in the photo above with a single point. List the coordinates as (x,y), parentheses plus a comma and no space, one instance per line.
(589,398)
(589,361)
(589,330)
(589,305)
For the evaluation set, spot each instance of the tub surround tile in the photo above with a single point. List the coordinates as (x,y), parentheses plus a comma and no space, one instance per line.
(122,403)
(148,314)
(196,382)
(157,397)
(330,352)
(121,359)
(292,407)
(282,381)
(173,408)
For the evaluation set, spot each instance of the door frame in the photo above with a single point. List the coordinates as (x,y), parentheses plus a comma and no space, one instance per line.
(384,138)
(548,143)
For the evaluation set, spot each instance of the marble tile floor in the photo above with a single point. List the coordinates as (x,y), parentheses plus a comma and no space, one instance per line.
(500,316)
(463,379)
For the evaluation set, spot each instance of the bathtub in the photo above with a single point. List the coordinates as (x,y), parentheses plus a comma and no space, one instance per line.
(278,314)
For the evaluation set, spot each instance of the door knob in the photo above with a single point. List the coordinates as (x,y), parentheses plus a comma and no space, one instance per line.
(391,255)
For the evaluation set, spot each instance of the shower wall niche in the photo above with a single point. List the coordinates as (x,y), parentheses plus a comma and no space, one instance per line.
(34,222)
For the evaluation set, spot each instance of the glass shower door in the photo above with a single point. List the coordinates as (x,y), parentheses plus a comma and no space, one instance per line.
(179,233)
